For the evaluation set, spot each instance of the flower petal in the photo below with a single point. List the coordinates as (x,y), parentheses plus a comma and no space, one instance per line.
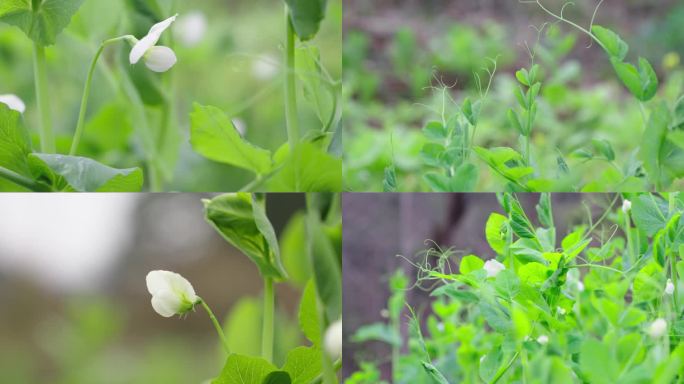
(333,340)
(158,281)
(166,303)
(13,102)
(150,40)
(160,59)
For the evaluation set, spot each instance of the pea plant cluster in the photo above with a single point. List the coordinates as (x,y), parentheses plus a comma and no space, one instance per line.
(242,221)
(602,305)
(307,162)
(535,131)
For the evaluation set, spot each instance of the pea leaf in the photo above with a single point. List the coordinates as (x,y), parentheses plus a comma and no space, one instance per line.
(214,136)
(308,314)
(277,377)
(653,145)
(81,174)
(303,364)
(241,369)
(41,20)
(308,169)
(15,144)
(493,232)
(241,220)
(650,213)
(612,43)
(306,16)
(326,267)
(470,263)
(598,363)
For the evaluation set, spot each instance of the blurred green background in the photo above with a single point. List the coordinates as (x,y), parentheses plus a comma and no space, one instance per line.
(396,52)
(75,307)
(235,65)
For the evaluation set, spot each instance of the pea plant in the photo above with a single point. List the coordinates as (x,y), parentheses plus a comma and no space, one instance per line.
(307,162)
(652,163)
(602,305)
(242,221)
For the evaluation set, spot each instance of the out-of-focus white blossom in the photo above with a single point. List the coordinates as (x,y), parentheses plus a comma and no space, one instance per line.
(626,206)
(191,28)
(658,328)
(264,67)
(493,267)
(669,287)
(333,340)
(13,102)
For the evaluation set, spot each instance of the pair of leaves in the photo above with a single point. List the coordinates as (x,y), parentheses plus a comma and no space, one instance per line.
(307,168)
(303,365)
(641,82)
(241,220)
(59,172)
(41,20)
(306,17)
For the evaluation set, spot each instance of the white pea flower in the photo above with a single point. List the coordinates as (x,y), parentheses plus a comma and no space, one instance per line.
(157,58)
(191,28)
(333,340)
(13,102)
(561,310)
(171,293)
(493,267)
(384,313)
(543,339)
(669,287)
(657,328)
(626,206)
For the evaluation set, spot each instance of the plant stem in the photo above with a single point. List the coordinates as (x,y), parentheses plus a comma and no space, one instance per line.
(291,117)
(267,334)
(503,370)
(86,93)
(630,243)
(47,138)
(23,181)
(217,325)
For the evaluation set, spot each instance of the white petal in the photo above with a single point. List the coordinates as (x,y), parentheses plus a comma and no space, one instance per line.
(158,281)
(658,328)
(333,340)
(191,28)
(669,287)
(166,303)
(13,102)
(626,206)
(160,59)
(150,40)
(493,267)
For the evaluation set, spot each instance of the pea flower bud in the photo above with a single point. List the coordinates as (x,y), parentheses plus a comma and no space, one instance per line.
(493,267)
(657,328)
(669,287)
(157,58)
(171,293)
(626,206)
(543,339)
(333,340)
(13,102)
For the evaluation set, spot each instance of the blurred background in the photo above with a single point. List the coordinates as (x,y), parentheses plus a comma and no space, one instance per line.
(74,303)
(378,227)
(229,56)
(395,50)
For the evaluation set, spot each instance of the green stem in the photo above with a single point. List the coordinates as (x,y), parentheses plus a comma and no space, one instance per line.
(503,370)
(23,181)
(291,118)
(47,138)
(267,334)
(630,242)
(527,150)
(673,255)
(217,325)
(86,93)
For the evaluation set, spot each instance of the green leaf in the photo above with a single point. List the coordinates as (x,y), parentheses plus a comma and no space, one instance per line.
(533,273)
(544,211)
(309,169)
(81,174)
(494,232)
(464,178)
(326,267)
(523,77)
(243,326)
(213,135)
(306,16)
(15,144)
(437,181)
(293,250)
(653,143)
(469,264)
(648,284)
(649,79)
(389,183)
(320,96)
(277,377)
(434,373)
(471,111)
(650,213)
(241,369)
(507,284)
(490,364)
(612,43)
(598,363)
(241,220)
(41,20)
(604,148)
(308,314)
(434,130)
(303,364)
(377,332)
(514,119)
